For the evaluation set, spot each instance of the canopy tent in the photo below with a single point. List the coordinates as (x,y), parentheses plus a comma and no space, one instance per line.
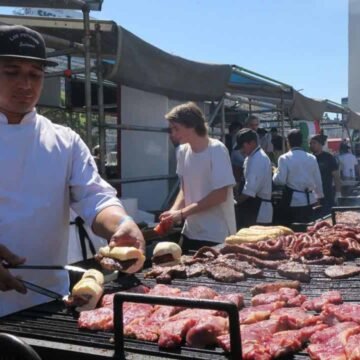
(144,66)
(133,62)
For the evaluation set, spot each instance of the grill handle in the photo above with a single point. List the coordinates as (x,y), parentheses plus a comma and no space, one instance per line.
(228,307)
(334,209)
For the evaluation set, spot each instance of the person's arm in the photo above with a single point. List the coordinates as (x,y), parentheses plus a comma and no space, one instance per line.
(7,281)
(113,224)
(174,213)
(214,198)
(280,175)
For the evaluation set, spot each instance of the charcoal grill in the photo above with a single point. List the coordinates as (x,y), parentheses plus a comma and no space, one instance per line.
(53,331)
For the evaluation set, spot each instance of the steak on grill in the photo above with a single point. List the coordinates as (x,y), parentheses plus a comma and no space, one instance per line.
(317,304)
(274,286)
(294,270)
(224,274)
(342,271)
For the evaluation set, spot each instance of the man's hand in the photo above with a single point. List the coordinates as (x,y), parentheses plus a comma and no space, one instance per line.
(171,217)
(128,234)
(7,281)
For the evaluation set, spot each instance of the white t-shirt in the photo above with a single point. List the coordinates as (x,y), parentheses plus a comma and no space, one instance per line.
(347,162)
(200,174)
(258,182)
(46,168)
(299,170)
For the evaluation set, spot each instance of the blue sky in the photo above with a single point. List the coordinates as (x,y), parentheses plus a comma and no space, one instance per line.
(303,43)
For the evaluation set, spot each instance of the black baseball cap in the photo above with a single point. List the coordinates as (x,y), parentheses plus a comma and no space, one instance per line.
(20,42)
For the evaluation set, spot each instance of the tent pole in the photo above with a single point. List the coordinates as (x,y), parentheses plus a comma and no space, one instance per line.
(101,118)
(282,121)
(213,115)
(223,122)
(86,14)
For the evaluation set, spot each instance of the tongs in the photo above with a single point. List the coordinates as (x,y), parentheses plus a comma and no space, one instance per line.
(46,267)
(41,290)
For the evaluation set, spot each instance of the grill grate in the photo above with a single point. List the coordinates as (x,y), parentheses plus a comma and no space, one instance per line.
(54,323)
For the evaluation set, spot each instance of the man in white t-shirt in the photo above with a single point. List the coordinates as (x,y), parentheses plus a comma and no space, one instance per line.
(205,200)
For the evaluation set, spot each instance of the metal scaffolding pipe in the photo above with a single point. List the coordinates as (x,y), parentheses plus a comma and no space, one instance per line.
(135,127)
(86,14)
(213,115)
(223,122)
(101,112)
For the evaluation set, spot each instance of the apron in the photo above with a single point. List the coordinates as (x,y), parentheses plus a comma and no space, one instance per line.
(286,201)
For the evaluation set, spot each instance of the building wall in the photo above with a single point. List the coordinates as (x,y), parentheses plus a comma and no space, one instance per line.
(354,55)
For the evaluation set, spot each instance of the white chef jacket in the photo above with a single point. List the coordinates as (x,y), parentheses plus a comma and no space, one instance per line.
(201,173)
(258,182)
(299,170)
(45,169)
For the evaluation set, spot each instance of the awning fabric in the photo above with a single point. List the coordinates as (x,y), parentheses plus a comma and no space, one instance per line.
(304,108)
(143,66)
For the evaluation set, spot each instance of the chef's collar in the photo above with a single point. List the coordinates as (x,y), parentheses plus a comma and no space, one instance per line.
(28,118)
(255,150)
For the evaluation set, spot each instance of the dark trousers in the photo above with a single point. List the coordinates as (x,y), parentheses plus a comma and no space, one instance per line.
(301,214)
(194,244)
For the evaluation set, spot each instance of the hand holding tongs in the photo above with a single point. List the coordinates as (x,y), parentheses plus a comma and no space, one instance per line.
(41,290)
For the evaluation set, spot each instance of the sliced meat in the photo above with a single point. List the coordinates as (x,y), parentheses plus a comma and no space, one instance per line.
(206,331)
(173,332)
(237,265)
(294,270)
(342,271)
(98,319)
(258,313)
(324,260)
(317,304)
(275,286)
(224,274)
(297,317)
(343,312)
(284,294)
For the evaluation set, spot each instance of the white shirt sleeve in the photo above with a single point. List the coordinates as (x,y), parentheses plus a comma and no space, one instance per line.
(89,193)
(280,176)
(221,169)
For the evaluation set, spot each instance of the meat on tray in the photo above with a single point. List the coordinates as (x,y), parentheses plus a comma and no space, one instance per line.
(344,312)
(342,271)
(294,270)
(351,218)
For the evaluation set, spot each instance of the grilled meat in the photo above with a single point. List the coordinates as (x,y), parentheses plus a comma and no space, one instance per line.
(294,270)
(342,271)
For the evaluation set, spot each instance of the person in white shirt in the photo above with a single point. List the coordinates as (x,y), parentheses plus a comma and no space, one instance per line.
(254,202)
(300,173)
(46,168)
(348,163)
(205,200)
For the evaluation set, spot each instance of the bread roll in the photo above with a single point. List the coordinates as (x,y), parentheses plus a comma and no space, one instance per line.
(88,289)
(167,248)
(94,274)
(125,253)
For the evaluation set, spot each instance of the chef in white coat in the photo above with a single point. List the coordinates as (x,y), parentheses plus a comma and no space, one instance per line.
(45,169)
(254,201)
(299,172)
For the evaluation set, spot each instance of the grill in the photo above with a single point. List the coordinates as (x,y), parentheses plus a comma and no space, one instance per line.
(53,331)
